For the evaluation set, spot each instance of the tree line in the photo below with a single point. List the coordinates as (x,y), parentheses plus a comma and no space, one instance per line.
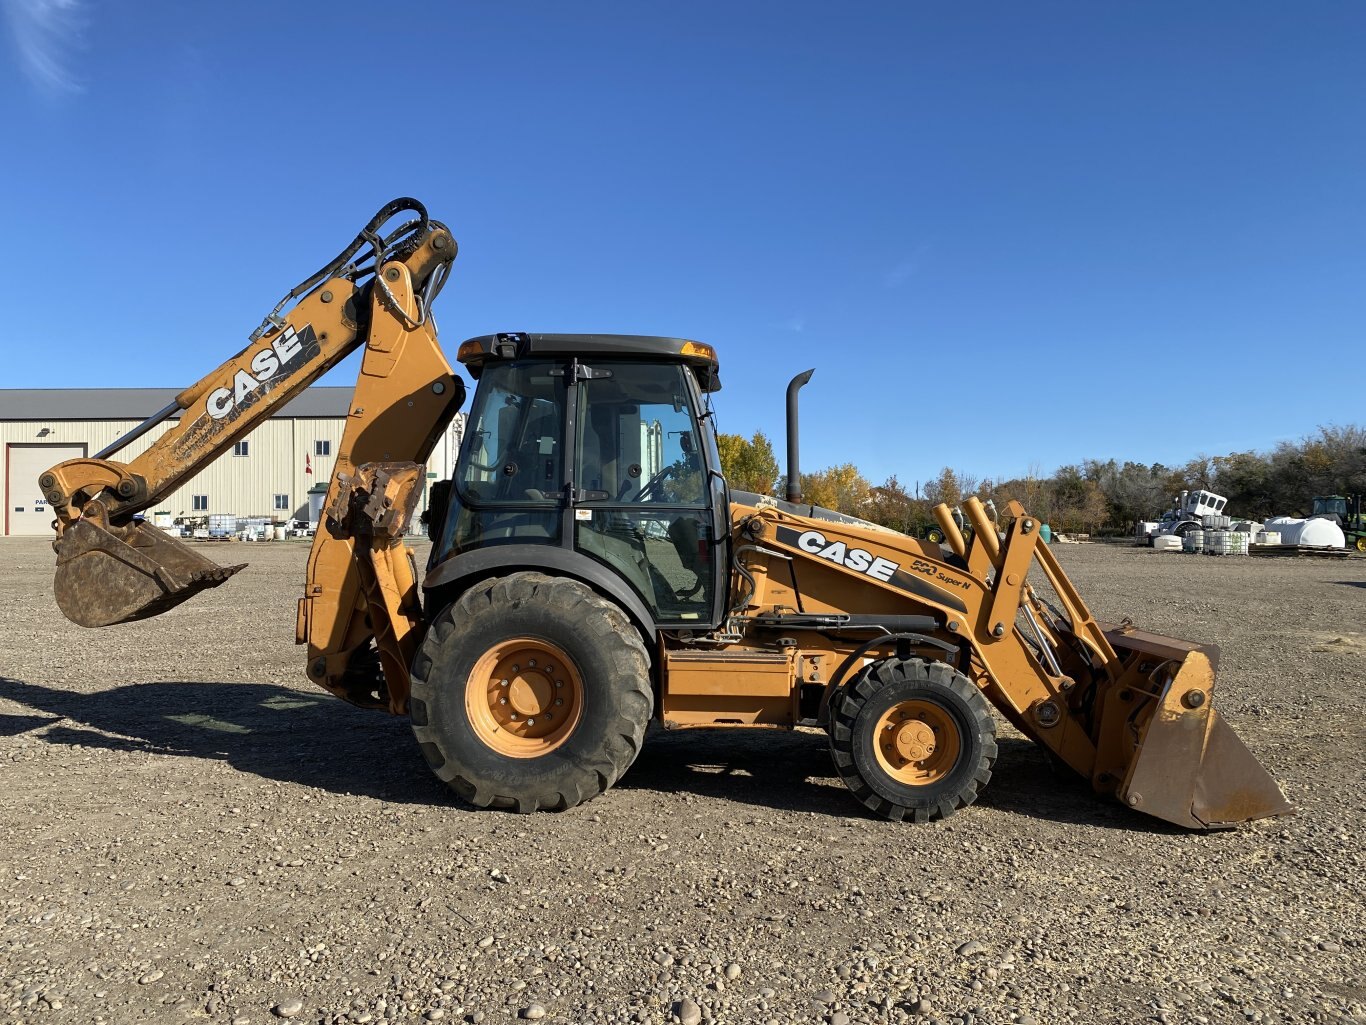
(1094,496)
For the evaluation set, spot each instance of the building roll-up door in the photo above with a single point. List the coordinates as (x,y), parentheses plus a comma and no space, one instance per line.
(26,510)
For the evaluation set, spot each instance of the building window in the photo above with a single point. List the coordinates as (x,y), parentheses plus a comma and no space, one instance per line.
(322,448)
(239,448)
(281,502)
(199,503)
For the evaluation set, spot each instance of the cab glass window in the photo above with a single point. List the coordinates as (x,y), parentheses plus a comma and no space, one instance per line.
(509,480)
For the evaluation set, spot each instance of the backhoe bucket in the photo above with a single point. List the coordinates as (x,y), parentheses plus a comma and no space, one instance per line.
(1173,753)
(121,574)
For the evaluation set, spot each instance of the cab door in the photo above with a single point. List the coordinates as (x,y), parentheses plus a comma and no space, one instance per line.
(643,500)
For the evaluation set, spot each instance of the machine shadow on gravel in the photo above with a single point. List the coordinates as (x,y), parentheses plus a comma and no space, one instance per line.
(774,770)
(315,740)
(263,729)
(793,772)
(1025,782)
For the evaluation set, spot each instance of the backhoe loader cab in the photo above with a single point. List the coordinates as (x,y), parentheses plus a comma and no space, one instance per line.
(599,447)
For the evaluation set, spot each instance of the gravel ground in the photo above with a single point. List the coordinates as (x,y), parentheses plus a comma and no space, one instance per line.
(191,832)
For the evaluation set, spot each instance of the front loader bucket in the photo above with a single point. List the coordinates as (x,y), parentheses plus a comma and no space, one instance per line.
(127,573)
(1173,754)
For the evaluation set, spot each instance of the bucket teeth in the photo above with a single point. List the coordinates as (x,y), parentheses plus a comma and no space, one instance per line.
(214,577)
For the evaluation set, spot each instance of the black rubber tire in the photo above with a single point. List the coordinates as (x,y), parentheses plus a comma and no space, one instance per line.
(879,687)
(935,536)
(617,699)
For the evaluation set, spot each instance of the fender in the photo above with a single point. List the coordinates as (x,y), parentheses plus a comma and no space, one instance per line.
(491,561)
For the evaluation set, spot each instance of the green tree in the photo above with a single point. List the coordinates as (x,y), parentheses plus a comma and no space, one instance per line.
(749,465)
(1087,497)
(945,488)
(892,506)
(841,488)
(1246,479)
(1133,491)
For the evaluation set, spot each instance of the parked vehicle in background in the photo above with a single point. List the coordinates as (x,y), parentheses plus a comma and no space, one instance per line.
(1194,510)
(1345,511)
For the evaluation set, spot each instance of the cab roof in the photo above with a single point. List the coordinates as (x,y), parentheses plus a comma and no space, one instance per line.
(484,349)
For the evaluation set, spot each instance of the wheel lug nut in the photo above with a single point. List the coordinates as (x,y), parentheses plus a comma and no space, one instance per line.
(502,701)
(532,663)
(559,683)
(516,668)
(531,722)
(503,683)
(559,701)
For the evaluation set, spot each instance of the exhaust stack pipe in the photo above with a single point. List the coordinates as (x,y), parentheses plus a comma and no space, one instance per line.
(794,473)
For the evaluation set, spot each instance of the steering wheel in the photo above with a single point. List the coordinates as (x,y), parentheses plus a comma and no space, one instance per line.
(653,489)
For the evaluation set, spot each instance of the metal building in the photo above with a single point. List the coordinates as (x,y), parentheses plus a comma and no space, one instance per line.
(268,473)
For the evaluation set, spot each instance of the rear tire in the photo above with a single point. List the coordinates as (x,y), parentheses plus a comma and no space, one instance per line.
(935,536)
(912,739)
(530,692)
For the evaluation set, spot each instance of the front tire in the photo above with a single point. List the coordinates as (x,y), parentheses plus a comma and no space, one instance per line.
(912,739)
(530,692)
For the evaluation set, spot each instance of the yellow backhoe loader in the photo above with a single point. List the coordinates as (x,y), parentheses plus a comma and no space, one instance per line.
(590,569)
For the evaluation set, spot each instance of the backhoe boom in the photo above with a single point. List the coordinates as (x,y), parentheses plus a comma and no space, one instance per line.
(113,568)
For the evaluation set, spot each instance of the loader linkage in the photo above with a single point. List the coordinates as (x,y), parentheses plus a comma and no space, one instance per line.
(1130,711)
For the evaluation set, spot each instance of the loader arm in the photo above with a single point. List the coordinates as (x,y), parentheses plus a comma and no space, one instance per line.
(1130,712)
(112,568)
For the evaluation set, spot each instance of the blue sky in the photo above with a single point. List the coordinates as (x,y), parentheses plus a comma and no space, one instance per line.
(1006,235)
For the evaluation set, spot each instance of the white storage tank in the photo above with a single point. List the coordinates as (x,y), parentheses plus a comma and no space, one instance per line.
(317,494)
(1268,537)
(1167,543)
(1225,542)
(1311,533)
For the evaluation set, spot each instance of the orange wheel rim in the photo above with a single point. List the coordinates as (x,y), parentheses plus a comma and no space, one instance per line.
(524,697)
(917,743)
